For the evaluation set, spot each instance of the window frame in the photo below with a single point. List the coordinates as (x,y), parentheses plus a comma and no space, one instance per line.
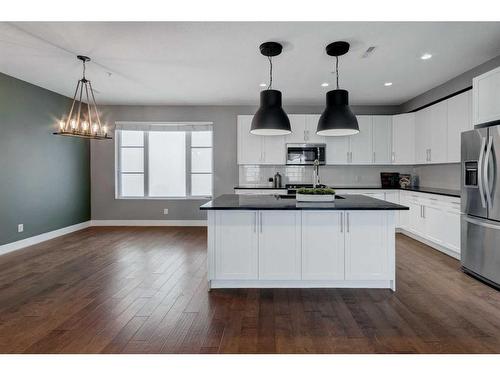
(145,173)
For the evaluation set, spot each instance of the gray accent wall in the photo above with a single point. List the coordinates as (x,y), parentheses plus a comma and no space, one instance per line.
(44,179)
(106,207)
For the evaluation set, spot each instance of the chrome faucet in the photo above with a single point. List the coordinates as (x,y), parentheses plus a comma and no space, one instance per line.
(315,173)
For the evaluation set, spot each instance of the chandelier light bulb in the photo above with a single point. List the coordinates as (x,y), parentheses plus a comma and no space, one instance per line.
(73,124)
(85,125)
(95,127)
(61,125)
(105,129)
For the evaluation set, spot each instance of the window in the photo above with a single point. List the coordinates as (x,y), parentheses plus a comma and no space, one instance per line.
(169,161)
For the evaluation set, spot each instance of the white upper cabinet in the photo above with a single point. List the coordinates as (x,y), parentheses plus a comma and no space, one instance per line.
(274,150)
(257,149)
(438,132)
(249,145)
(298,125)
(311,126)
(431,132)
(361,144)
(337,150)
(422,135)
(459,120)
(486,97)
(382,139)
(403,138)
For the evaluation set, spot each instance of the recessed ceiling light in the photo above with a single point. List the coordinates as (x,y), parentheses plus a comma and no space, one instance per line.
(325,84)
(388,84)
(262,84)
(426,56)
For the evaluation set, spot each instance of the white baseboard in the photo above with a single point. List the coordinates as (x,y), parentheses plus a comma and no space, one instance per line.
(434,245)
(149,223)
(13,246)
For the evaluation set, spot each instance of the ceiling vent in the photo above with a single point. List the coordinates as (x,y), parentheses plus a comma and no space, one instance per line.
(368,52)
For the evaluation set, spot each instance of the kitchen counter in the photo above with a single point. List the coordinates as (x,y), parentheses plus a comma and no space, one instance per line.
(421,189)
(271,202)
(264,241)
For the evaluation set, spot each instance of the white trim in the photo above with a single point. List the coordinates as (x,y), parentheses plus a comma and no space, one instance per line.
(427,242)
(13,246)
(379,284)
(150,223)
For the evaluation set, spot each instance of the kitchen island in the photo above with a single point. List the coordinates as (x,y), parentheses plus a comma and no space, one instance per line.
(271,241)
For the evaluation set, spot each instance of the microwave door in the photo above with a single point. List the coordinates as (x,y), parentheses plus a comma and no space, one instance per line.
(473,147)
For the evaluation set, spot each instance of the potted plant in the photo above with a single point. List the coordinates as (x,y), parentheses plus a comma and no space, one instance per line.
(315,195)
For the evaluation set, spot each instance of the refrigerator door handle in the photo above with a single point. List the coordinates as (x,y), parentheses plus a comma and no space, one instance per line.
(485,172)
(481,223)
(480,172)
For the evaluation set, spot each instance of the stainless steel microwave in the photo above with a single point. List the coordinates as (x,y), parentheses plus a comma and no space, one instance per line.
(305,153)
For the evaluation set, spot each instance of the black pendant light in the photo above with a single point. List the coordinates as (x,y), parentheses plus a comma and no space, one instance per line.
(270,118)
(337,119)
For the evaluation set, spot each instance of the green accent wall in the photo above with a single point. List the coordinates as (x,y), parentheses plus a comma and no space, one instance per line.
(44,179)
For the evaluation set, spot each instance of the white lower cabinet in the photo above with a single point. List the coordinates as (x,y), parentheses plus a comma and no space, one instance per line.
(434,219)
(279,245)
(366,246)
(236,242)
(322,245)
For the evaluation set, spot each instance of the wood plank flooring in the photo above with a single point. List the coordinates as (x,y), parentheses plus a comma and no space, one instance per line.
(144,290)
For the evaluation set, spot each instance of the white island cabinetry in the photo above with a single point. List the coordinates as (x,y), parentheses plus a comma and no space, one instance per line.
(301,248)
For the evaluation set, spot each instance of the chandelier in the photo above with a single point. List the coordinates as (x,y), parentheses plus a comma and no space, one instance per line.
(83,118)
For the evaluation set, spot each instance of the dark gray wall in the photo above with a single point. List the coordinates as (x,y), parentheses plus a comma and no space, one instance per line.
(106,207)
(458,83)
(44,179)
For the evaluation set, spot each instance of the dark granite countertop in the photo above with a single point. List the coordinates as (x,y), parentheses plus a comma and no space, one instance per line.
(421,189)
(271,202)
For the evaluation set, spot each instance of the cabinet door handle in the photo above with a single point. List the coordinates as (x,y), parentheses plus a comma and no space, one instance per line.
(393,156)
(255,223)
(348,222)
(374,156)
(430,154)
(423,211)
(341,222)
(348,156)
(260,214)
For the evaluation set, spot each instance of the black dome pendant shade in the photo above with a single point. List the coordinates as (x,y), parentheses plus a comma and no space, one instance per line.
(270,118)
(337,119)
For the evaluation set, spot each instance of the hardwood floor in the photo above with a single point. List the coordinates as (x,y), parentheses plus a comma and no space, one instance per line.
(144,290)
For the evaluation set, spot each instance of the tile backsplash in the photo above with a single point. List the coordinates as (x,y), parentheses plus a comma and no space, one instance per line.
(438,176)
(258,175)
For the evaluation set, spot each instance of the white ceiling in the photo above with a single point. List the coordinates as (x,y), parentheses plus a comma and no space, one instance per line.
(207,63)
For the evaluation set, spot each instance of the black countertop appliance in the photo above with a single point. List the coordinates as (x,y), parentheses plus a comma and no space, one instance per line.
(389,180)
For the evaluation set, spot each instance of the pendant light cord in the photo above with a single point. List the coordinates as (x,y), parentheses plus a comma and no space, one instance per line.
(337,70)
(83,69)
(270,73)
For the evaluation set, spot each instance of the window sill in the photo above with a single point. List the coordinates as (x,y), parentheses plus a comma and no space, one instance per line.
(193,198)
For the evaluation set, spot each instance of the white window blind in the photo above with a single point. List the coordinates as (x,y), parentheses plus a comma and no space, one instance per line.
(164,160)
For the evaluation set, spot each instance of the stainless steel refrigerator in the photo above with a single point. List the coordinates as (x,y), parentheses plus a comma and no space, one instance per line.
(480,221)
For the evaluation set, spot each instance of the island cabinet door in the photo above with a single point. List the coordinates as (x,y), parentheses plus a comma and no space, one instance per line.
(236,245)
(367,246)
(322,245)
(279,245)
